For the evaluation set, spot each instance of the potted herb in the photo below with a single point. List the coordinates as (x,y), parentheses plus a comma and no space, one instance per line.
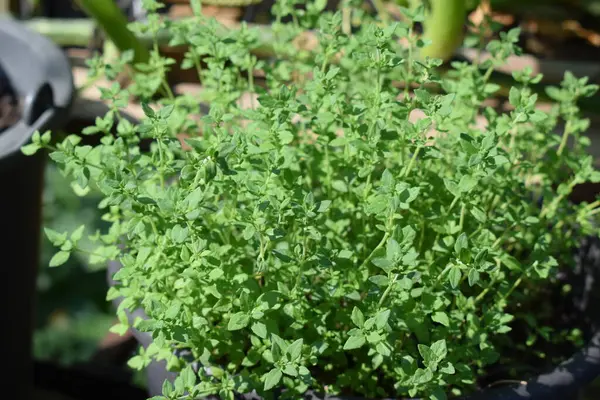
(340,232)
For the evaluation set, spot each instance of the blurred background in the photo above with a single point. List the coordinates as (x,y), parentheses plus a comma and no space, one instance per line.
(72,317)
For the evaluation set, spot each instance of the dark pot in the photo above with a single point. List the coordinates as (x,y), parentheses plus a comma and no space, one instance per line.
(85,382)
(36,75)
(562,383)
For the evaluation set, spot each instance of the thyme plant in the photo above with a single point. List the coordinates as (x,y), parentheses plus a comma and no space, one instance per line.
(320,236)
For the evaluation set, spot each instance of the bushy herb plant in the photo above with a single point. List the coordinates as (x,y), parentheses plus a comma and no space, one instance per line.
(320,236)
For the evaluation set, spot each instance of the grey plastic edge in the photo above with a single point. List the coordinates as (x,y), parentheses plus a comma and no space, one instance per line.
(41,76)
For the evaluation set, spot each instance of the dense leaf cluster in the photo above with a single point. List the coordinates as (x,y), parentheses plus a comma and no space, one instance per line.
(339,232)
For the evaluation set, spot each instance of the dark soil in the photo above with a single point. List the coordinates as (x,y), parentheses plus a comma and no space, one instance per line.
(10,109)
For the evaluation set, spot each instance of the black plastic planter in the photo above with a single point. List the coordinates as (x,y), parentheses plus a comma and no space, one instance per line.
(562,383)
(36,77)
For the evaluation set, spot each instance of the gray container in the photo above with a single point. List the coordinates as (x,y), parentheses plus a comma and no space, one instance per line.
(40,77)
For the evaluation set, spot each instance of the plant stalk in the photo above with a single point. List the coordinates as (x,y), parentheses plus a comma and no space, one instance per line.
(114,23)
(443,26)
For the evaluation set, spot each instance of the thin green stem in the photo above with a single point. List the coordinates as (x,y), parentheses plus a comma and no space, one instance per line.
(167,89)
(461,223)
(161,159)
(513,287)
(565,138)
(488,73)
(409,62)
(251,85)
(387,291)
(441,275)
(594,212)
(456,198)
(592,205)
(375,250)
(481,295)
(346,20)
(412,161)
(197,64)
(487,289)
(154,230)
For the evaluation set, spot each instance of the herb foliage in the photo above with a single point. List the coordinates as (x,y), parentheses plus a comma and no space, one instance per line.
(320,237)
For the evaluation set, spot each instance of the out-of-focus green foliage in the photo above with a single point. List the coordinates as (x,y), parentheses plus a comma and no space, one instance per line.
(72,313)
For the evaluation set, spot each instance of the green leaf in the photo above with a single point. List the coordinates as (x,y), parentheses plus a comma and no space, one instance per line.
(119,328)
(188,376)
(282,256)
(383,349)
(136,362)
(323,206)
(422,376)
(466,184)
(215,274)
(381,318)
(179,234)
(295,349)
(340,186)
(338,142)
(357,317)
(59,258)
(290,370)
(454,276)
(426,353)
(478,214)
(447,368)
(166,111)
(77,234)
(438,394)
(393,249)
(383,263)
(461,243)
(303,371)
(555,93)
(441,318)
(512,263)
(377,360)
(446,104)
(148,111)
(57,239)
(90,130)
(259,329)
(320,5)
(46,137)
(514,96)
(355,342)
(439,349)
(238,321)
(380,280)
(167,388)
(272,378)
(249,232)
(473,277)
(173,310)
(30,149)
